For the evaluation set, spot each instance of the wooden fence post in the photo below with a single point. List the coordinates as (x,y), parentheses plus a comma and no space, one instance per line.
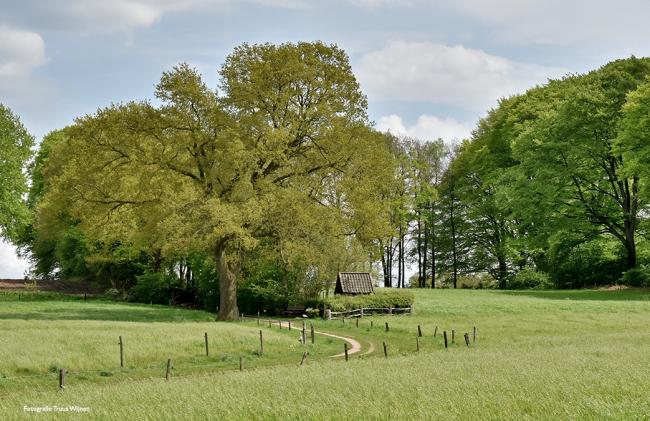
(62,378)
(328,314)
(304,357)
(313,336)
(444,334)
(241,364)
(304,333)
(371,324)
(289,324)
(361,311)
(467,339)
(385,350)
(390,310)
(345,349)
(261,344)
(258,318)
(357,322)
(453,336)
(475,334)
(169,369)
(435,332)
(121,352)
(417,343)
(386,326)
(419,331)
(207,351)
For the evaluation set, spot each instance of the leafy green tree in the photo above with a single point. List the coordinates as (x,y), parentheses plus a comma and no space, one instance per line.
(570,173)
(215,174)
(15,152)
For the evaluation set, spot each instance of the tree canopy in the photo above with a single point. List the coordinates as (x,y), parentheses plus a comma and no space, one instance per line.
(278,153)
(15,152)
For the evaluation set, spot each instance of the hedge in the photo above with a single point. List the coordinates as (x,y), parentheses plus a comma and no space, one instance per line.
(381,299)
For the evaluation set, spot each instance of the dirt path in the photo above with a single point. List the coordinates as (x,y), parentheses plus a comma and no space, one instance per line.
(355,346)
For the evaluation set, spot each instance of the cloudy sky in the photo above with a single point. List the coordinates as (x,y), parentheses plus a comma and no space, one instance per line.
(430,68)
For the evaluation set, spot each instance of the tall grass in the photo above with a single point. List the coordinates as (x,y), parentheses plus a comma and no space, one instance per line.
(541,355)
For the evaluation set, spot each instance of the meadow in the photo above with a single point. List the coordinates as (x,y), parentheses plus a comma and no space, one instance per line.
(538,355)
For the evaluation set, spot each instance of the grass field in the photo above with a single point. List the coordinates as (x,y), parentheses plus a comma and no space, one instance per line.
(539,355)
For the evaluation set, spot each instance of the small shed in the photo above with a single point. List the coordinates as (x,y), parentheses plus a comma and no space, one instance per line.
(353,283)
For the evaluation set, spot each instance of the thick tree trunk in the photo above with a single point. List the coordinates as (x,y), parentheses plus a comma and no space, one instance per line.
(630,245)
(503,272)
(631,206)
(227,284)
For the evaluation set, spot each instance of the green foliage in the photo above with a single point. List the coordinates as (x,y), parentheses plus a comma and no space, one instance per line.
(15,152)
(529,278)
(381,299)
(476,281)
(153,287)
(113,294)
(283,153)
(637,277)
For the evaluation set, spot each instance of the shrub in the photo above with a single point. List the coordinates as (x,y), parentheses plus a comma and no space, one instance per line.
(313,313)
(153,287)
(529,278)
(637,277)
(381,299)
(112,294)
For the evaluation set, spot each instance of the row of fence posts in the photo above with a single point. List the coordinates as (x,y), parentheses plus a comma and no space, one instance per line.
(63,372)
(419,335)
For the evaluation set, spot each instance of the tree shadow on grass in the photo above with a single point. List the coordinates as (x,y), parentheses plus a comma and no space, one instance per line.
(586,294)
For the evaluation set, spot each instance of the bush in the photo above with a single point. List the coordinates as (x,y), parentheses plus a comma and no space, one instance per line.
(313,313)
(153,287)
(381,299)
(637,277)
(529,278)
(112,294)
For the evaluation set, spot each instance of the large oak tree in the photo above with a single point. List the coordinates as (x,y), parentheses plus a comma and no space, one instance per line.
(282,144)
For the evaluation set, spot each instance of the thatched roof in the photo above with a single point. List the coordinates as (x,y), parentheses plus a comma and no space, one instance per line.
(353,283)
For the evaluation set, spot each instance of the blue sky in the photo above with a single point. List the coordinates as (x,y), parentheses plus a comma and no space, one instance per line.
(430,68)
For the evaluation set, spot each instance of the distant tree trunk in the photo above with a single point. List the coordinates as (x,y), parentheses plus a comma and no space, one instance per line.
(630,207)
(156,260)
(425,247)
(454,252)
(419,250)
(433,249)
(227,283)
(403,269)
(400,251)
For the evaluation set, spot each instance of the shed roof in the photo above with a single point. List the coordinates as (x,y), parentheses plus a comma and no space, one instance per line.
(354,283)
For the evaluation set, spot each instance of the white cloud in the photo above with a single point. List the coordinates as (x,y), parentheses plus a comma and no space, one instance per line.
(20,52)
(561,21)
(11,267)
(102,16)
(552,22)
(448,75)
(427,127)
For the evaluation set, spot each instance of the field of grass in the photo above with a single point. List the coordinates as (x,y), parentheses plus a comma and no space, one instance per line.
(539,355)
(40,336)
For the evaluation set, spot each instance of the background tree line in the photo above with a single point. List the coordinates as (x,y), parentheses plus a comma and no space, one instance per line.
(256,194)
